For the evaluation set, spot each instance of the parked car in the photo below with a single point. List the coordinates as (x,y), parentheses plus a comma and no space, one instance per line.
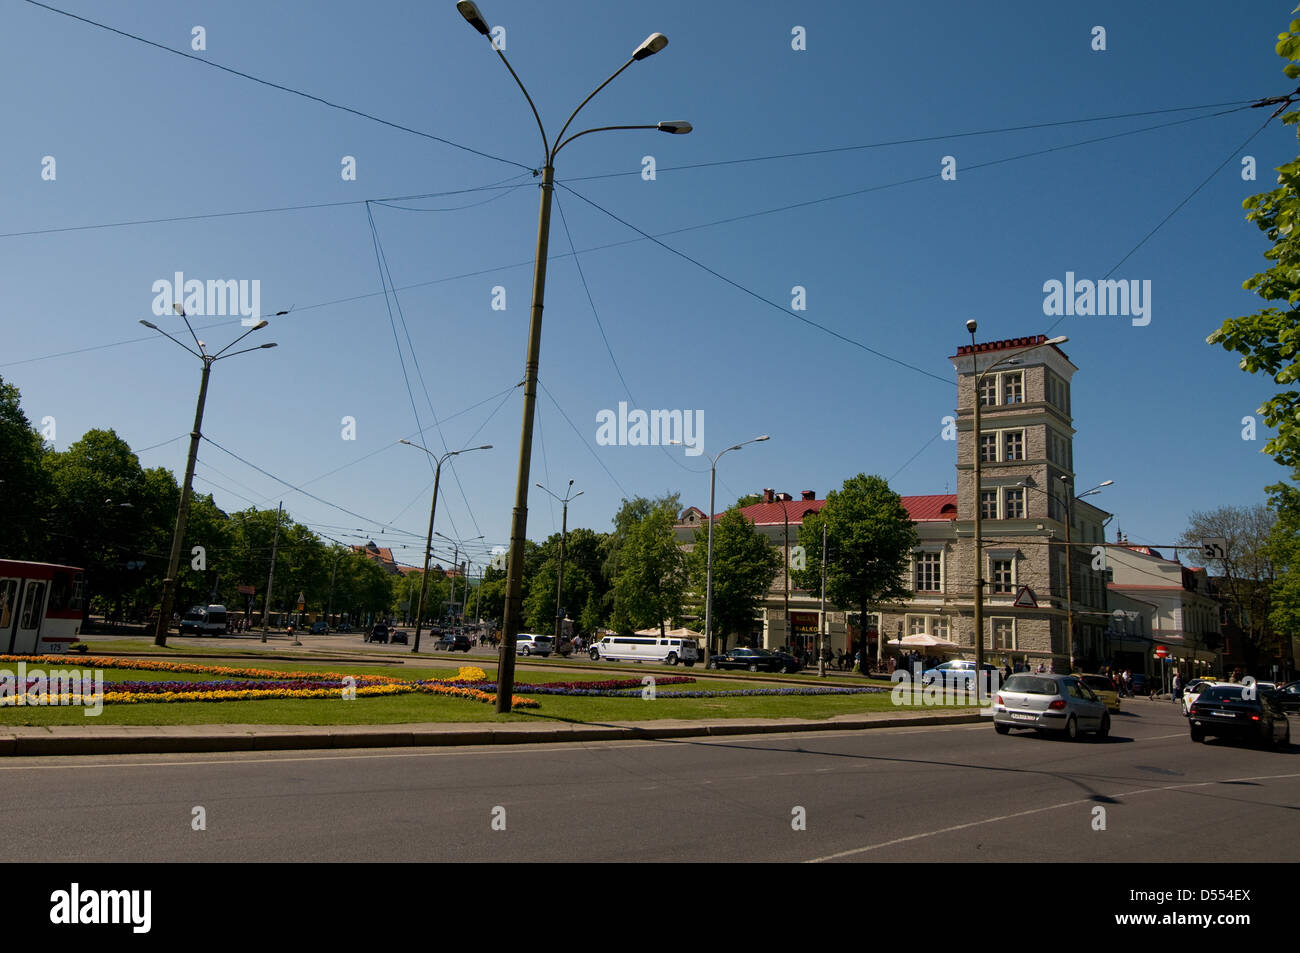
(453,643)
(755,660)
(1049,703)
(343,628)
(378,634)
(1104,689)
(960,672)
(530,643)
(319,628)
(398,637)
(1288,696)
(1225,711)
(645,648)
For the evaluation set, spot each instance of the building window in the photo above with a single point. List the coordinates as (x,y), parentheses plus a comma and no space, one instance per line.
(1015,504)
(989,504)
(934,625)
(989,391)
(1002,575)
(1004,634)
(988,448)
(916,625)
(1013,388)
(1055,509)
(1013,443)
(929,572)
(941,627)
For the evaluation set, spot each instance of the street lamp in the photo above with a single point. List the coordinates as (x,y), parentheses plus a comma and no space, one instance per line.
(183,507)
(708,572)
(433,509)
(972,326)
(455,566)
(564,532)
(1069,553)
(519,518)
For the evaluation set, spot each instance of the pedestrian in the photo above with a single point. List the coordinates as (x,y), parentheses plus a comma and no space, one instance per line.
(1039,670)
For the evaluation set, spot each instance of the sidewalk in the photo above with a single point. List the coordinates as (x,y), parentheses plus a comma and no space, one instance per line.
(31,741)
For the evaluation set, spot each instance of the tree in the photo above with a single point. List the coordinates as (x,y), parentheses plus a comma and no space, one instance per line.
(1246,572)
(650,586)
(869,542)
(1283,551)
(749,499)
(628,517)
(25,489)
(744,565)
(1269,339)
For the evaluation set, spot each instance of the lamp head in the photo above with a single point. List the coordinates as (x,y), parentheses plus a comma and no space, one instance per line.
(972,326)
(469,10)
(149,324)
(649,47)
(676,127)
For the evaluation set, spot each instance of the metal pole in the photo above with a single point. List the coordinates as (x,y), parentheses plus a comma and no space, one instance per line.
(708,572)
(270,579)
(821,625)
(428,548)
(182,514)
(979,526)
(519,517)
(559,585)
(789,633)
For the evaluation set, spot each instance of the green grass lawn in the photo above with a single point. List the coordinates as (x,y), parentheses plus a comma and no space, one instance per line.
(418,708)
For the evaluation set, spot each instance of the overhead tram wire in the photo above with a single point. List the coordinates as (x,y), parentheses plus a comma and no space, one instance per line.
(1177,208)
(643,236)
(621,488)
(929,177)
(410,346)
(286,89)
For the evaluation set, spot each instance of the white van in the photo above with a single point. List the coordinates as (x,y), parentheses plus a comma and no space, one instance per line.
(645,648)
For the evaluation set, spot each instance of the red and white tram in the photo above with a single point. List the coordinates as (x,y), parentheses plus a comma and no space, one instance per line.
(40,607)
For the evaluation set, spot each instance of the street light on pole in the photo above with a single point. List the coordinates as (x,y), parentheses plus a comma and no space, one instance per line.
(519,518)
(183,507)
(428,543)
(564,532)
(455,566)
(978,613)
(708,570)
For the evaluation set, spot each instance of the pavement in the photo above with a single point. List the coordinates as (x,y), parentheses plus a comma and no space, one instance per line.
(43,740)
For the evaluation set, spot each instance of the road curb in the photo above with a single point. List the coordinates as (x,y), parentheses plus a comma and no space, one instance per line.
(46,743)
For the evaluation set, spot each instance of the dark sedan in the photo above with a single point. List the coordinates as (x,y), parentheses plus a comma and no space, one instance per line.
(755,660)
(453,643)
(1288,696)
(1230,711)
(378,634)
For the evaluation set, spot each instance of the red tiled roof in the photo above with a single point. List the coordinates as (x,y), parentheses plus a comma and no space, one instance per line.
(1004,345)
(938,506)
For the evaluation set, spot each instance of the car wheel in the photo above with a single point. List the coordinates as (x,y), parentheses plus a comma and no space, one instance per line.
(712,664)
(1001,729)
(595,655)
(524,651)
(1072,728)
(786,670)
(1103,732)
(753,667)
(672,658)
(1198,734)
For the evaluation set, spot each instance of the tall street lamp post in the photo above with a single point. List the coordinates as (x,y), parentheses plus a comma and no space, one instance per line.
(519,519)
(708,570)
(183,508)
(977,377)
(564,532)
(455,567)
(433,510)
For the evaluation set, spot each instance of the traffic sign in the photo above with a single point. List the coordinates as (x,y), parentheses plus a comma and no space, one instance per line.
(1025,598)
(1214,547)
(1161,651)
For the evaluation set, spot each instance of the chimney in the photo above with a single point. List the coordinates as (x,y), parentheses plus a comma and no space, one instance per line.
(767,495)
(808,494)
(784,497)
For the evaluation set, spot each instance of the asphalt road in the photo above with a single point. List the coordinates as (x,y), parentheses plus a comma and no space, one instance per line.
(919,794)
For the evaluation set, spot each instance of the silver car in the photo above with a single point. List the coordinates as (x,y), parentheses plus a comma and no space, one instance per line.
(1049,703)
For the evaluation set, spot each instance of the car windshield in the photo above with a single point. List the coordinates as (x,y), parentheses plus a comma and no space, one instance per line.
(1031,685)
(1222,693)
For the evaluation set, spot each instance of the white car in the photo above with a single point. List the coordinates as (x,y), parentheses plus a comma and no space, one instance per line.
(1194,688)
(530,643)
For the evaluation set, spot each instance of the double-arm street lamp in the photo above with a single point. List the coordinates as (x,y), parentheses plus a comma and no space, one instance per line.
(183,508)
(977,377)
(1068,485)
(455,567)
(519,519)
(433,509)
(708,570)
(564,532)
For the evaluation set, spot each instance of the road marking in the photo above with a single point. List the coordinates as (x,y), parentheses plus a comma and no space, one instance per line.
(1037,810)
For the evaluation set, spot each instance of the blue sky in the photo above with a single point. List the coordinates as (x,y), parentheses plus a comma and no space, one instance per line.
(138,133)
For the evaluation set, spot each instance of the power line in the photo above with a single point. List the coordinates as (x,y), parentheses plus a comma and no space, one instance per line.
(622,489)
(279,86)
